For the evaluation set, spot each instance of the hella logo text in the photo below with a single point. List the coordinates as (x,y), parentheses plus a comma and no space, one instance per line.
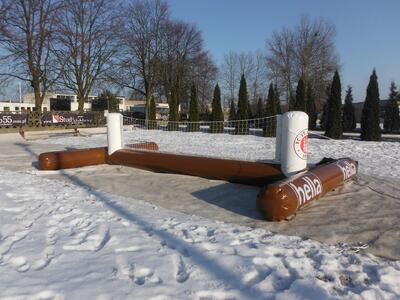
(348,169)
(306,188)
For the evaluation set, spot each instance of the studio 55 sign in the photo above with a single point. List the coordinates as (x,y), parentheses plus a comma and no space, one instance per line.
(10,120)
(67,118)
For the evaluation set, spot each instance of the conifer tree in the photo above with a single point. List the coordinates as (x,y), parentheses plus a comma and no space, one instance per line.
(194,109)
(324,111)
(270,108)
(310,106)
(232,111)
(260,113)
(152,114)
(300,103)
(250,110)
(349,117)
(173,113)
(392,119)
(292,101)
(370,123)
(152,109)
(269,128)
(106,101)
(242,127)
(278,99)
(334,127)
(205,112)
(322,120)
(217,116)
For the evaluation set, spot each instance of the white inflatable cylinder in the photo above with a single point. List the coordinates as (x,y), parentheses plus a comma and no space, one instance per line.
(278,141)
(114,132)
(294,142)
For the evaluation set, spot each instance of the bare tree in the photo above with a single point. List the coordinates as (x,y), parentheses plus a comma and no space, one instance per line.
(315,53)
(86,42)
(26,41)
(307,50)
(258,84)
(161,56)
(141,44)
(4,7)
(204,72)
(251,65)
(280,60)
(230,74)
(182,59)
(246,65)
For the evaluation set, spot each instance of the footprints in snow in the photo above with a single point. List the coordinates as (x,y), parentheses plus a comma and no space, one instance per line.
(89,241)
(127,270)
(137,274)
(181,272)
(19,263)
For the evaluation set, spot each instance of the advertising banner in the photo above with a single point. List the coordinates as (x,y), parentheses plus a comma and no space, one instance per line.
(11,120)
(67,118)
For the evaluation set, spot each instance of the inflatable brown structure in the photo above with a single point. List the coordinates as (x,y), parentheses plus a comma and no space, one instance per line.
(282,199)
(287,183)
(77,158)
(236,171)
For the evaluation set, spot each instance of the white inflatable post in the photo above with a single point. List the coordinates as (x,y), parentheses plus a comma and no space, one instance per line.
(114,132)
(278,141)
(294,142)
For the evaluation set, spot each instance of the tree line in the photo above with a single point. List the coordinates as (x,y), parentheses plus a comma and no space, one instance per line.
(241,114)
(337,118)
(86,45)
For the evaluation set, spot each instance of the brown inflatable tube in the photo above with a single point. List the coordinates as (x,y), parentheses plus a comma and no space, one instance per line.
(245,172)
(282,199)
(81,157)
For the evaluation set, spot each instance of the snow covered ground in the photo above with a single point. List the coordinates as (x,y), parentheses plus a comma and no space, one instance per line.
(60,240)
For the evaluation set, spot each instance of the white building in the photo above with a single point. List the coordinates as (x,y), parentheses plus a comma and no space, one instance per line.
(69,102)
(15,106)
(60,101)
(65,101)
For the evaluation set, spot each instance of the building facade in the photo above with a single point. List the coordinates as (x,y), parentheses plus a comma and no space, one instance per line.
(61,102)
(15,106)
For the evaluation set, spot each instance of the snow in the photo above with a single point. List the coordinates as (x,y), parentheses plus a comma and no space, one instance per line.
(60,240)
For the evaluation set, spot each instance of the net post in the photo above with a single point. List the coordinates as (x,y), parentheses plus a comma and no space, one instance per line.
(294,142)
(278,141)
(114,132)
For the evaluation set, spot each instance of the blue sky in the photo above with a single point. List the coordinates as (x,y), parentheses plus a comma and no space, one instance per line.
(368,32)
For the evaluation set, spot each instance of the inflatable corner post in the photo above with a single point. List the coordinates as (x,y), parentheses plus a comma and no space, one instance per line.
(293,146)
(114,132)
(278,140)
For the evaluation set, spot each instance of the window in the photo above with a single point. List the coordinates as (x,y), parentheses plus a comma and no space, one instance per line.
(17,108)
(6,108)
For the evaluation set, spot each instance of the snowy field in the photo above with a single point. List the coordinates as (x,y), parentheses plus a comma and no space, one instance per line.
(60,240)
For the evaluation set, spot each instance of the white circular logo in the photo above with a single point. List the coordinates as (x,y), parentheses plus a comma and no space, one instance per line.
(300,144)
